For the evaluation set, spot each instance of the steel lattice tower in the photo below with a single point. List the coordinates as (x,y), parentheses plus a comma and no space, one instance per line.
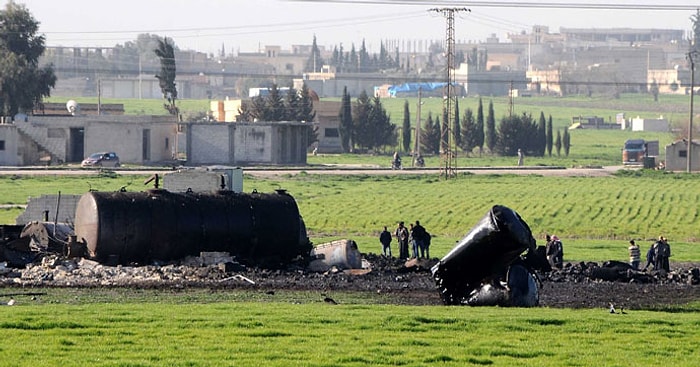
(448,151)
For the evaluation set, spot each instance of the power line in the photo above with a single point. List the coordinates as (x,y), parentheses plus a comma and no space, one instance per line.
(230,31)
(518,4)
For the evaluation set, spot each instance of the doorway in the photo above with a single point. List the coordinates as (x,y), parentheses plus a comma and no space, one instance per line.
(146,144)
(77,144)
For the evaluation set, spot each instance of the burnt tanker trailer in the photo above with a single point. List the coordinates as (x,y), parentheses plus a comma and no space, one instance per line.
(140,227)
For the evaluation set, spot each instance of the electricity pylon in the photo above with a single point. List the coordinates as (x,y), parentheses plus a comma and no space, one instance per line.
(448,151)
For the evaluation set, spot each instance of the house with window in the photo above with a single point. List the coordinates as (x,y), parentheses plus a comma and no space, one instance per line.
(677,156)
(39,140)
(327,126)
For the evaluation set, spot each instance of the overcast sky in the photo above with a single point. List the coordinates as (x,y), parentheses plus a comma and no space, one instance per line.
(245,25)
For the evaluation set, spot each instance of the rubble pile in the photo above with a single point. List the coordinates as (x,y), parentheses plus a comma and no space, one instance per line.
(58,271)
(615,271)
(402,282)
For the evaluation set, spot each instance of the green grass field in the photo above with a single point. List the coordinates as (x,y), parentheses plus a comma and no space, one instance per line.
(188,327)
(594,216)
(225,328)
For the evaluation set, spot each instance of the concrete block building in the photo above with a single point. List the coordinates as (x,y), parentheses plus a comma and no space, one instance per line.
(242,143)
(32,140)
(677,156)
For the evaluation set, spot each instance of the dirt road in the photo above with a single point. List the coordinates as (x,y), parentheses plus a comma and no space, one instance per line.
(354,170)
(337,170)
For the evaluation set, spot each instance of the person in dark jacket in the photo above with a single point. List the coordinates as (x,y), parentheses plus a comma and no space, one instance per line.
(418,233)
(651,256)
(663,252)
(385,240)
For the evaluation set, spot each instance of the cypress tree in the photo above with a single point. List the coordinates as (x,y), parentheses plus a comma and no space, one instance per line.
(479,133)
(406,128)
(541,135)
(456,127)
(346,125)
(468,141)
(491,137)
(557,143)
(550,138)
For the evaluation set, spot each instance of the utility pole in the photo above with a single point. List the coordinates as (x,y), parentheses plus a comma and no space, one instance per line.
(689,166)
(447,152)
(416,141)
(99,96)
(510,99)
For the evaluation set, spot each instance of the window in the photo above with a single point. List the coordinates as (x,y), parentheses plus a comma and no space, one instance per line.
(683,153)
(2,145)
(167,143)
(331,133)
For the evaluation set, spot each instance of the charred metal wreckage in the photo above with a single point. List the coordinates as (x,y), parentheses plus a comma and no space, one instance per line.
(493,264)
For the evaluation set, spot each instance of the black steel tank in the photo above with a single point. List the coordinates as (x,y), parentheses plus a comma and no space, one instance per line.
(139,227)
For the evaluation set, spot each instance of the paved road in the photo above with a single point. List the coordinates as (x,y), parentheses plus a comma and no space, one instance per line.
(340,170)
(534,170)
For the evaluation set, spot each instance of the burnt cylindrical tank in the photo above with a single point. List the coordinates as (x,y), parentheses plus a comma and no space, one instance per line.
(343,254)
(160,225)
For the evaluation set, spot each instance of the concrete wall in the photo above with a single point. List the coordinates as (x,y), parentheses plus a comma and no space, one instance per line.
(208,143)
(204,179)
(356,84)
(247,143)
(9,148)
(658,125)
(63,205)
(127,140)
(253,144)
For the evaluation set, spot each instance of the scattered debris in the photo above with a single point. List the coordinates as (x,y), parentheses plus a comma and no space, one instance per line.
(238,277)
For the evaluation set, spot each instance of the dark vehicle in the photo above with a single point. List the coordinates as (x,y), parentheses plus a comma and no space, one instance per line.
(101,159)
(637,150)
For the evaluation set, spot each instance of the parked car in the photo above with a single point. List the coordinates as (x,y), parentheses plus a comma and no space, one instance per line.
(101,159)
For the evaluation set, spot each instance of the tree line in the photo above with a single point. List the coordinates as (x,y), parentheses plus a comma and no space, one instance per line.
(294,105)
(474,131)
(365,125)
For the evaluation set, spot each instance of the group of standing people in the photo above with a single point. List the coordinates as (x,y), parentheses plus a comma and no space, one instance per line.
(416,236)
(657,256)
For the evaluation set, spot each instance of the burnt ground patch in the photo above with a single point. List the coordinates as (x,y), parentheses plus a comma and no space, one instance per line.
(388,281)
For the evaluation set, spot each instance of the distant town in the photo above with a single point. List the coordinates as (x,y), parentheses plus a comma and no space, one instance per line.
(572,61)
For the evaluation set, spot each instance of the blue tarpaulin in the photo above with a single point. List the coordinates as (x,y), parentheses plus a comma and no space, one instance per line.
(414,87)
